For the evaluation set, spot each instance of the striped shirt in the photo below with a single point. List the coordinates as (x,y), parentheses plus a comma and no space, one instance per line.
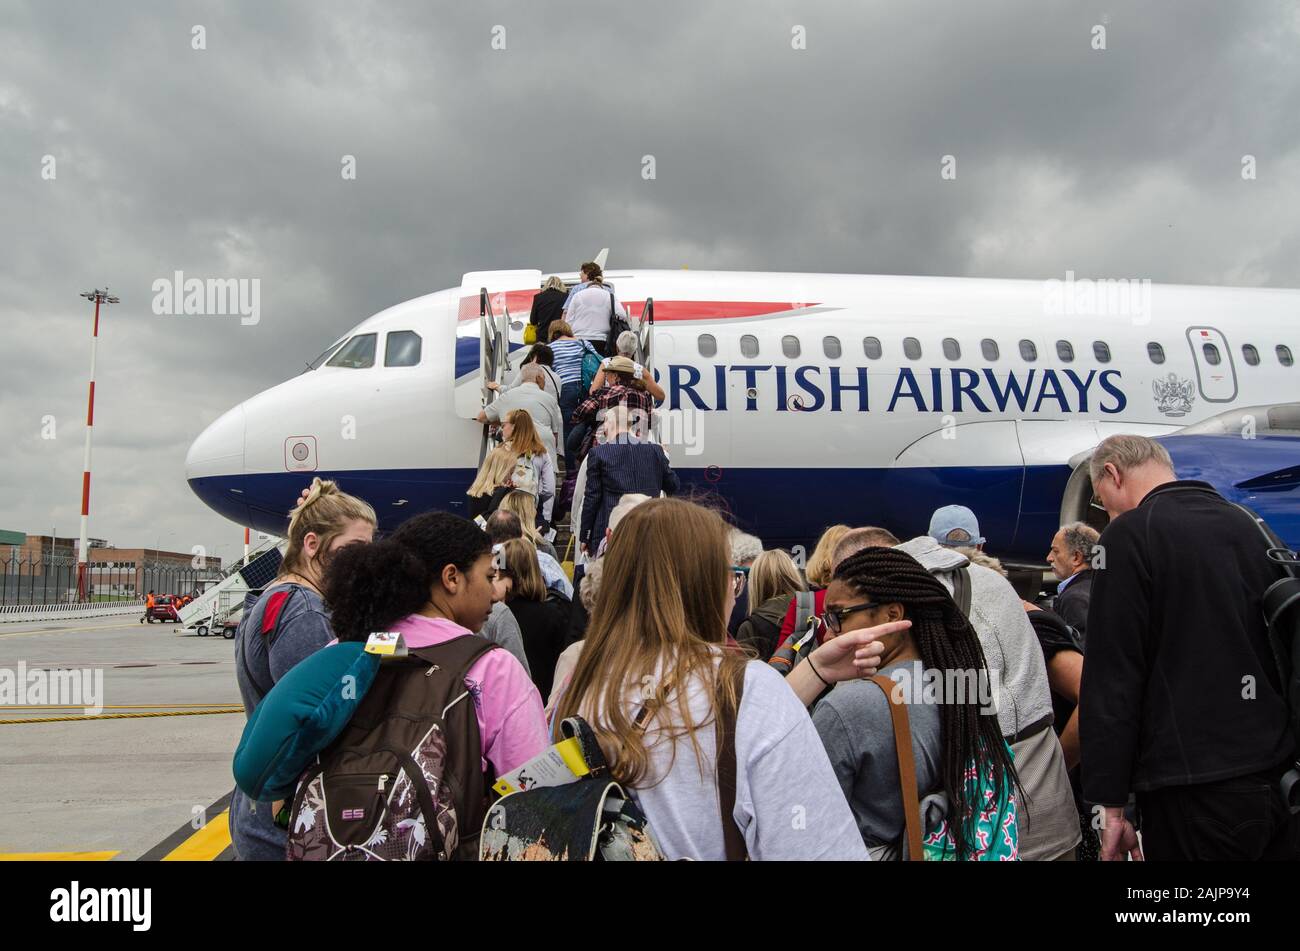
(568,359)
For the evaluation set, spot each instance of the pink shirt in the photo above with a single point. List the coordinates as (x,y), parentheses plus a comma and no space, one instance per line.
(511,721)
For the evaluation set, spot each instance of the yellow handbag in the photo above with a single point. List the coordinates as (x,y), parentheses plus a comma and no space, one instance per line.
(530,333)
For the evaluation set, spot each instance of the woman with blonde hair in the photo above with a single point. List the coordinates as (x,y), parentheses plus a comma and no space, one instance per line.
(524,505)
(492,481)
(659,688)
(287,622)
(547,306)
(533,471)
(820,569)
(773,581)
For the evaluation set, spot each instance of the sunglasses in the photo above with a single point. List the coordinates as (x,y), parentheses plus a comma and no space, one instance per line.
(835,616)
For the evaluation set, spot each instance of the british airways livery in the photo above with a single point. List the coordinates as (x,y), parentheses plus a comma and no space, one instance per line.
(802,400)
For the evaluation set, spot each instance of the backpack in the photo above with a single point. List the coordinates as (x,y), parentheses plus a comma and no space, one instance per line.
(1281,604)
(524,475)
(591,361)
(404,780)
(803,641)
(617,324)
(594,819)
(928,836)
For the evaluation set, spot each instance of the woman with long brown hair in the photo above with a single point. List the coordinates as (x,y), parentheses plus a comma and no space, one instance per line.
(655,653)
(530,454)
(543,618)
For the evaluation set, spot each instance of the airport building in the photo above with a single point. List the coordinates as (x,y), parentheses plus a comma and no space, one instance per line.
(42,569)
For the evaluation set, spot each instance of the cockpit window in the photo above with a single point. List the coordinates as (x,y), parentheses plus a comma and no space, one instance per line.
(329,352)
(402,348)
(357,354)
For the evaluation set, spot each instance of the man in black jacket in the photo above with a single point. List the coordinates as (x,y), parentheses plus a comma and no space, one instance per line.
(1071,560)
(1181,699)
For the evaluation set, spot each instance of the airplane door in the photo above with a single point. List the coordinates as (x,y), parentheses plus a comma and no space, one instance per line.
(1215,374)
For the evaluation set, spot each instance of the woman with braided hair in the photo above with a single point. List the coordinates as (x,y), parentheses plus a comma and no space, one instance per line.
(952,733)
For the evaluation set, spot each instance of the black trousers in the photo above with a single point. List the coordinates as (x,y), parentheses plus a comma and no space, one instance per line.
(1241,819)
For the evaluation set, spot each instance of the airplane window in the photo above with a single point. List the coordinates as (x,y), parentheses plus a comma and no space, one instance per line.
(790,346)
(831,347)
(990,349)
(402,349)
(1212,356)
(1284,355)
(1101,350)
(1250,353)
(1156,352)
(911,348)
(951,349)
(871,347)
(708,345)
(749,346)
(1064,352)
(357,354)
(329,352)
(1028,351)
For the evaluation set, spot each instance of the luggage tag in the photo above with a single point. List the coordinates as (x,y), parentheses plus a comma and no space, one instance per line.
(386,644)
(558,765)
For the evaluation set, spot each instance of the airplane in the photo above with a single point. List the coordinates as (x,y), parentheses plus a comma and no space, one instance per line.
(796,401)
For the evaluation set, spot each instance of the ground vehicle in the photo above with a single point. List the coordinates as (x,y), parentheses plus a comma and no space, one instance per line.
(226,628)
(164,609)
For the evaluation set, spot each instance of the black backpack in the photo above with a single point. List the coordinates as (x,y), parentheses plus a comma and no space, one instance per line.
(617,325)
(404,780)
(1281,604)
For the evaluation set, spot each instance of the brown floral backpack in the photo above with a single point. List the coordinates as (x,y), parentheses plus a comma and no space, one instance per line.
(404,780)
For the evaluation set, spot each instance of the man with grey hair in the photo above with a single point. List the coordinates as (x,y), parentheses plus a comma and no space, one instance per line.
(1181,700)
(1071,560)
(744,549)
(530,396)
(1124,469)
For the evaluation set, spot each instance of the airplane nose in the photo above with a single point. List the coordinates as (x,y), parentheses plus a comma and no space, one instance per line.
(219,449)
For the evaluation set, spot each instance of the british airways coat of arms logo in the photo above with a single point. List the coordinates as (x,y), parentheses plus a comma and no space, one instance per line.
(1173,395)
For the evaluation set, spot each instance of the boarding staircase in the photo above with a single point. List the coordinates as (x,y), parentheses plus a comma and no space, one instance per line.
(495,366)
(224,601)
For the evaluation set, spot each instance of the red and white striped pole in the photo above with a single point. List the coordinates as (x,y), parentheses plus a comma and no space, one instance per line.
(83,553)
(245,546)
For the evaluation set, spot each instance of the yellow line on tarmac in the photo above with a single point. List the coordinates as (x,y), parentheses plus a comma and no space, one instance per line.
(56,856)
(205,844)
(123,706)
(118,716)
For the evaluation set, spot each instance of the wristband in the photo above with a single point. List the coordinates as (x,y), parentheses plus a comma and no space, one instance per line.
(814,670)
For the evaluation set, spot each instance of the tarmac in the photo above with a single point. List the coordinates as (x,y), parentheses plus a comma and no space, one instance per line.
(150,776)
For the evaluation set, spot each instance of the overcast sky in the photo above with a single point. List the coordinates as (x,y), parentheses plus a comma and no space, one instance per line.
(226,161)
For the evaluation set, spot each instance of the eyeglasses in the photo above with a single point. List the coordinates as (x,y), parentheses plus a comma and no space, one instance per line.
(835,616)
(738,576)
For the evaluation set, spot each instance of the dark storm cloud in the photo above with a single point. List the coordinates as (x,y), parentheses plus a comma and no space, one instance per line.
(226,162)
